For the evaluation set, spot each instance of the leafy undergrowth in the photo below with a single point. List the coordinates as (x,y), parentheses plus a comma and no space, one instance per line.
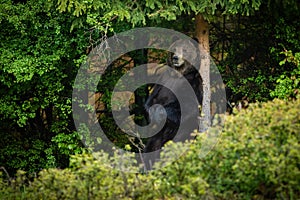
(257,157)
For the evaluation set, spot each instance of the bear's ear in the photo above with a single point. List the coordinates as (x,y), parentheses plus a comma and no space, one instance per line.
(196,39)
(169,59)
(175,38)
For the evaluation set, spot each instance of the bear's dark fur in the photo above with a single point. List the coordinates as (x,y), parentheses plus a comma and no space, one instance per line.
(180,50)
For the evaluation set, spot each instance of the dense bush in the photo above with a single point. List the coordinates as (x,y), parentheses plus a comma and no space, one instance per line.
(261,64)
(288,83)
(257,158)
(39,60)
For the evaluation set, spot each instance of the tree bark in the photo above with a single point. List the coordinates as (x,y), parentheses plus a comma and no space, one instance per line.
(202,34)
(140,100)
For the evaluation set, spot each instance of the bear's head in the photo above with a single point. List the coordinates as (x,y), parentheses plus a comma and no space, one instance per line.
(181,52)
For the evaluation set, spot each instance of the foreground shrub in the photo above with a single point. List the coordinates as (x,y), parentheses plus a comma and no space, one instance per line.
(257,157)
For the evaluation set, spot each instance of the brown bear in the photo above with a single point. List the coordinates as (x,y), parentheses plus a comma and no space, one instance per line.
(184,57)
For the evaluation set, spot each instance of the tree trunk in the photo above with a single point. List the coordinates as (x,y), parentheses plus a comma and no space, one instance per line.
(141,94)
(202,34)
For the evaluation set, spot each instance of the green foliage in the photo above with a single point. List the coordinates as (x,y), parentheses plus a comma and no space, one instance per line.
(252,53)
(38,64)
(67,144)
(32,154)
(288,83)
(257,155)
(26,154)
(257,158)
(101,14)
